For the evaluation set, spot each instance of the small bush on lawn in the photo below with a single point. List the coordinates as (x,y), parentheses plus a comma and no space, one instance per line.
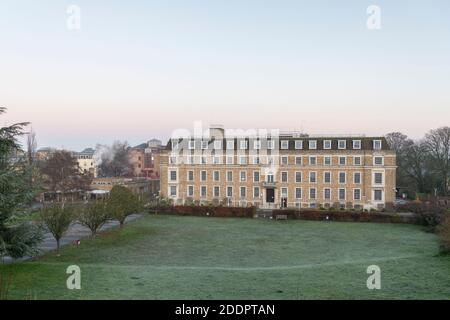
(444,234)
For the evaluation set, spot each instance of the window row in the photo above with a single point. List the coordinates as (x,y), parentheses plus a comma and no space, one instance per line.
(311,177)
(312,193)
(273,160)
(243,144)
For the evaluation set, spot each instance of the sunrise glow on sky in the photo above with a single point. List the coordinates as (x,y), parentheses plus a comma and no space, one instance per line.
(140,69)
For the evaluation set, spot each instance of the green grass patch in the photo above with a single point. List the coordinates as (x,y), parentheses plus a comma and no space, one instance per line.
(171,257)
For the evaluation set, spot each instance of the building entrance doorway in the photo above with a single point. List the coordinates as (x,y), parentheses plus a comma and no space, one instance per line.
(270,195)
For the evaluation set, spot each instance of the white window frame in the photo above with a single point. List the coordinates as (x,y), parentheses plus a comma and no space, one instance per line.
(206,191)
(270,144)
(214,191)
(259,176)
(375,142)
(170,176)
(309,176)
(193,175)
(360,194)
(230,144)
(214,176)
(331,160)
(301,177)
(284,144)
(298,144)
(360,160)
(339,177)
(312,144)
(355,142)
(259,192)
(232,176)
(193,190)
(382,161)
(315,194)
(331,191)
(243,144)
(301,193)
(204,144)
(345,160)
(339,194)
(342,147)
(257,144)
(240,176)
(360,177)
(325,144)
(217,144)
(315,160)
(201,176)
(331,177)
(191,144)
(287,177)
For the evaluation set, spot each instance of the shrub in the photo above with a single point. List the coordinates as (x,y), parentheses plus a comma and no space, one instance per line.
(444,234)
(94,216)
(429,214)
(121,203)
(58,219)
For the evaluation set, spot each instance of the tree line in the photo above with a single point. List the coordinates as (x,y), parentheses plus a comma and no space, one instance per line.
(423,165)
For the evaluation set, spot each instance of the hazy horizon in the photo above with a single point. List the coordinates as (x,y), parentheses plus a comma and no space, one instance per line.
(139,70)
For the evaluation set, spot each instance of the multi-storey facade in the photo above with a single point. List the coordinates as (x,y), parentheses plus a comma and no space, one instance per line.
(146,159)
(86,162)
(285,170)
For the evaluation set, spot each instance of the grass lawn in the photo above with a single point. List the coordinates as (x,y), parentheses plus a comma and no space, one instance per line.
(170,257)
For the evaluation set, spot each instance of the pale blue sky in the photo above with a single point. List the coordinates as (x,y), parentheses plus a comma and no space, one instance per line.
(140,69)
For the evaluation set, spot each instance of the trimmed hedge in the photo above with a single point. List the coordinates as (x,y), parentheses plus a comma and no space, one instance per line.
(211,211)
(344,216)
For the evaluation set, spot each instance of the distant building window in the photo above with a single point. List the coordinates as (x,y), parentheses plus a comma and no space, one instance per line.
(243,192)
(356,144)
(312,161)
(230,144)
(284,192)
(284,176)
(173,160)
(378,195)
(357,178)
(256,192)
(342,144)
(242,160)
(377,144)
(342,177)
(327,193)
(298,144)
(357,194)
(312,177)
(230,176)
(173,191)
(204,160)
(190,191)
(230,159)
(270,144)
(191,144)
(312,193)
(342,161)
(298,193)
(173,175)
(327,144)
(341,194)
(256,144)
(256,160)
(190,175)
(357,161)
(327,160)
(217,160)
(203,191)
(284,161)
(256,176)
(284,144)
(218,144)
(327,177)
(378,177)
(204,145)
(216,192)
(203,175)
(312,144)
(298,161)
(270,178)
(243,144)
(243,176)
(174,144)
(216,176)
(298,177)
(378,161)
(229,192)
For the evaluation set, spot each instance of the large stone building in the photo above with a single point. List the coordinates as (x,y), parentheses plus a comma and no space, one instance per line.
(279,170)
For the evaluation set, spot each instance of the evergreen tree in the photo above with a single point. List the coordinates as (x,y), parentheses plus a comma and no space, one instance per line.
(16,239)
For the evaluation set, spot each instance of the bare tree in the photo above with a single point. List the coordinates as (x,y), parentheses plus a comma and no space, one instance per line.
(401,144)
(31,147)
(437,143)
(114,161)
(416,166)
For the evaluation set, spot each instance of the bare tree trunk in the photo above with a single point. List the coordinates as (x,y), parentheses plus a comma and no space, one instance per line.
(58,245)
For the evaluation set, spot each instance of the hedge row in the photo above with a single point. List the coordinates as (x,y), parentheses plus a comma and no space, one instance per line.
(224,212)
(344,216)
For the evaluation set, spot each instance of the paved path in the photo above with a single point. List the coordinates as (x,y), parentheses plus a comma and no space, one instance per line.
(76,232)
